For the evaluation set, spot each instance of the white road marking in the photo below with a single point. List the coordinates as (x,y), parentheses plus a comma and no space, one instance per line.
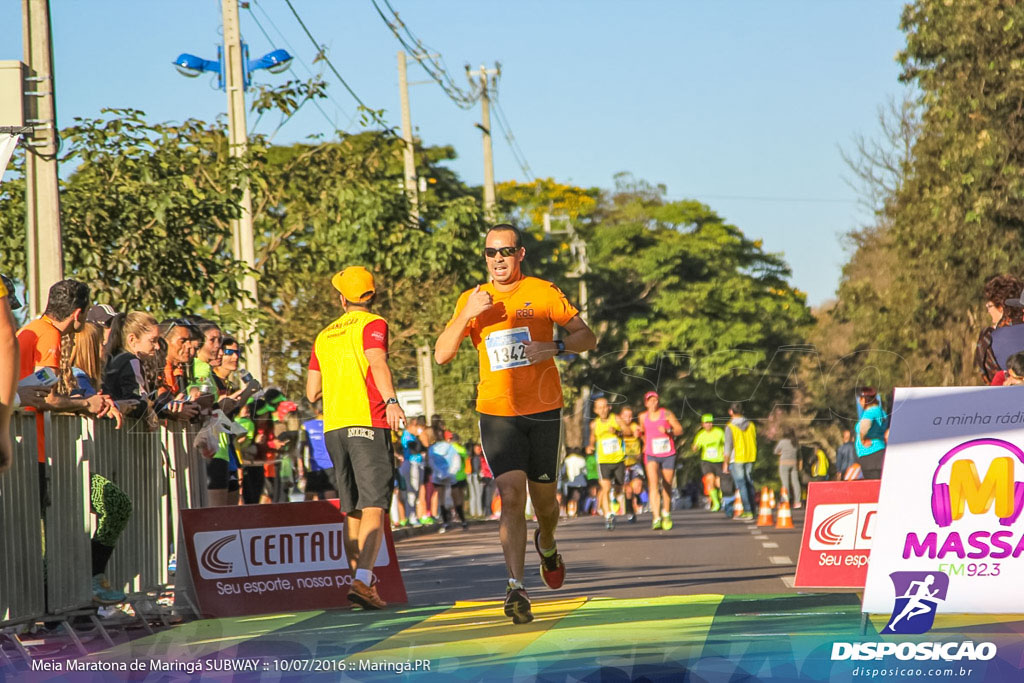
(780,559)
(770,545)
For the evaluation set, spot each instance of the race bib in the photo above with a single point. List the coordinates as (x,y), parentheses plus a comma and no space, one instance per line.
(610,445)
(710,452)
(661,446)
(506,349)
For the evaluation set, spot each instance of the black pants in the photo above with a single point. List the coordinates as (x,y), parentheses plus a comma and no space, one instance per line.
(252,484)
(871,465)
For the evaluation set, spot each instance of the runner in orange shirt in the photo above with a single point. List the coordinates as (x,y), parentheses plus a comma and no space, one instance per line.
(511,322)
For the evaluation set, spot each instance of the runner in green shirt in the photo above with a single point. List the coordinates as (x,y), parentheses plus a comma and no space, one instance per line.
(710,440)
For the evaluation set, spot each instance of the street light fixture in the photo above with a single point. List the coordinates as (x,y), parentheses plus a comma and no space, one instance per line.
(233,68)
(192,66)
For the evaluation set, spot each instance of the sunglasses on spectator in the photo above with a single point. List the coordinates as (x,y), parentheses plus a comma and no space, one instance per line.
(491,252)
(230,352)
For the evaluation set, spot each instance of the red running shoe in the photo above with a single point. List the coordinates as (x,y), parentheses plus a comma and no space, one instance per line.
(552,569)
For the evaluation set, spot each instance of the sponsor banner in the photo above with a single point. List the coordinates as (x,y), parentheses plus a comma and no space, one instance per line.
(838,527)
(258,559)
(949,537)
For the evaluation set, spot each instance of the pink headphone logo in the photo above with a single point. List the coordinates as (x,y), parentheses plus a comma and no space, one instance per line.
(942,505)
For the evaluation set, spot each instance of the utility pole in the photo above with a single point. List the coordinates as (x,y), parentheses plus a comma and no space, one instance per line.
(408,153)
(45,257)
(487,77)
(424,357)
(241,227)
(425,372)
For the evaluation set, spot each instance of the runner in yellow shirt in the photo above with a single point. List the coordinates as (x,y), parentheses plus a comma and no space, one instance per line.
(606,440)
(633,449)
(710,440)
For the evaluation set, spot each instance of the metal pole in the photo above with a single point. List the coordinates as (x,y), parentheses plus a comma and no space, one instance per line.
(408,153)
(241,228)
(45,257)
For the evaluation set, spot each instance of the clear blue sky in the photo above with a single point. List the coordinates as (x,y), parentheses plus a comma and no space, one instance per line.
(740,104)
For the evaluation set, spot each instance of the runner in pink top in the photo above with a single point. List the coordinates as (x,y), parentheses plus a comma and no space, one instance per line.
(659,427)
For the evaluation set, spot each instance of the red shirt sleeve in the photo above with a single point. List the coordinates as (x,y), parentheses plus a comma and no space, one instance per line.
(314,362)
(375,335)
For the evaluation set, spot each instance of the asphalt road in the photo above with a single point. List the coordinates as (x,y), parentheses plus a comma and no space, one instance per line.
(703,553)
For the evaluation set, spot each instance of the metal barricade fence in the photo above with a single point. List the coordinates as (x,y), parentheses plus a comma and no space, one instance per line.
(68,528)
(22,597)
(132,459)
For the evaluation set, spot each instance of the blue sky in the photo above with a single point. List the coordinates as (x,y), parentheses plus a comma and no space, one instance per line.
(741,104)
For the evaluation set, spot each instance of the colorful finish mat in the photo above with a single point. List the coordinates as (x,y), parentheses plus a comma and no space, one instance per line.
(690,638)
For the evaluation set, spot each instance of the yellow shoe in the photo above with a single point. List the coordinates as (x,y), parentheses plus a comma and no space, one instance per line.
(666,522)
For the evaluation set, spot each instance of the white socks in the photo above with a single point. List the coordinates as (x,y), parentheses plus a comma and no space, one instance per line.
(364,575)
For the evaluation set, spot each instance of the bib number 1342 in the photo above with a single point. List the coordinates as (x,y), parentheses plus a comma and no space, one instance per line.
(506,349)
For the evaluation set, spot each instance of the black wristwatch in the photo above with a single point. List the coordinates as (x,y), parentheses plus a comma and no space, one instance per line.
(561,347)
(391,402)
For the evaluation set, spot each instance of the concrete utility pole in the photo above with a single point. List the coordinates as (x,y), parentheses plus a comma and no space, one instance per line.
(425,372)
(45,257)
(409,152)
(241,228)
(486,76)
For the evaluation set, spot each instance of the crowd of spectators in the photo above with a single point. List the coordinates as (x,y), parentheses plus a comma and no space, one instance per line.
(129,368)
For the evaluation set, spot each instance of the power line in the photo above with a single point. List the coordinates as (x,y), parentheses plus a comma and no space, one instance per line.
(510,138)
(322,52)
(432,62)
(792,200)
(292,71)
(298,58)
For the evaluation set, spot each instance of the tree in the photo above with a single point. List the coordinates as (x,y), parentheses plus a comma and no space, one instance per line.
(138,193)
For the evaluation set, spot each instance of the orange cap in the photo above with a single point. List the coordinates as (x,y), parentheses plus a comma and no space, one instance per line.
(355,284)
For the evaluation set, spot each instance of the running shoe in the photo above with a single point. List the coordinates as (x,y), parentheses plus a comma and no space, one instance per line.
(631,519)
(747,515)
(517,605)
(427,520)
(609,523)
(666,523)
(103,593)
(365,596)
(552,569)
(656,524)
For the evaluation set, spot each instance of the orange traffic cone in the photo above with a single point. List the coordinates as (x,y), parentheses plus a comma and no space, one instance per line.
(738,508)
(785,520)
(764,513)
(496,504)
(771,498)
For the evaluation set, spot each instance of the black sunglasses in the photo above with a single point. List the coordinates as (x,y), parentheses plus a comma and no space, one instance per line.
(491,252)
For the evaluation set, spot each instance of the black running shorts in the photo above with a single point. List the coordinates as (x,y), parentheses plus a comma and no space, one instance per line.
(528,443)
(615,471)
(708,467)
(364,467)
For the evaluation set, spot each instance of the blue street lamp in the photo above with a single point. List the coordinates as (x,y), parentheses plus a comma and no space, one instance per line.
(275,62)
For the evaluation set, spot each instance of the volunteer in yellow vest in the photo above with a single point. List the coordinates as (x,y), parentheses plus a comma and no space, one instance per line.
(740,454)
(349,371)
(606,439)
(632,446)
(511,321)
(710,440)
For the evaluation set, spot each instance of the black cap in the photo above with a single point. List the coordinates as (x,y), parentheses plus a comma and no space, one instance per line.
(100,314)
(1015,303)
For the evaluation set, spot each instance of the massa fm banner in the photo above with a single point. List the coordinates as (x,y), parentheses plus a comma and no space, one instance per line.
(950,503)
